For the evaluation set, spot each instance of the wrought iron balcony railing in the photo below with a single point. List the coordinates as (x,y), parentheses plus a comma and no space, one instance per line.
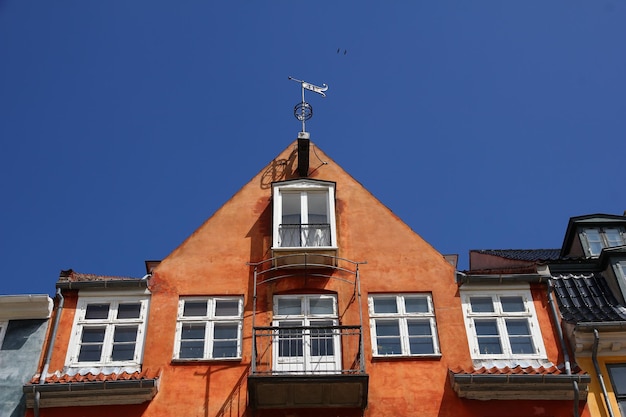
(307,350)
(304,235)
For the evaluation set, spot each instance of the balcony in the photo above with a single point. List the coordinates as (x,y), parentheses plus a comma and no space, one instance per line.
(304,244)
(308,367)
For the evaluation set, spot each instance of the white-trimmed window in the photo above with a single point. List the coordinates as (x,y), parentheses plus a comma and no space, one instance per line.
(209,328)
(108,332)
(617,374)
(403,325)
(502,324)
(595,239)
(304,214)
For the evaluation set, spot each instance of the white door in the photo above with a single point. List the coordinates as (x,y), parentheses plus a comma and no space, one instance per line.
(305,341)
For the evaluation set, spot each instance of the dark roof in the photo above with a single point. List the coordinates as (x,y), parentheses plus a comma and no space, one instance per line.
(587,298)
(529,255)
(75,280)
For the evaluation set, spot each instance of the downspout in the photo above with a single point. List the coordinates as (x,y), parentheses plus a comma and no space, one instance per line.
(559,332)
(44,372)
(596,365)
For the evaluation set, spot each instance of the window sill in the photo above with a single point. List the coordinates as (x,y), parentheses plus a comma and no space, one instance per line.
(380,358)
(192,361)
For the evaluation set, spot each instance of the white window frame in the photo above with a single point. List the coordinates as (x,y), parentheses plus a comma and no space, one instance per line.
(3,330)
(303,187)
(403,318)
(604,241)
(619,268)
(209,321)
(501,316)
(109,323)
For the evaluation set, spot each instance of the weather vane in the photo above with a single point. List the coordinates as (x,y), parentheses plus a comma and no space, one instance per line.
(303,110)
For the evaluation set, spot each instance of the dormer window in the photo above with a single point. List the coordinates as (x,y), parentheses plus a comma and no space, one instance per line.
(595,239)
(304,214)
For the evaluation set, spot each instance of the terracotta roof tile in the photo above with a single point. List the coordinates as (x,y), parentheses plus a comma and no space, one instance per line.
(517,370)
(101,377)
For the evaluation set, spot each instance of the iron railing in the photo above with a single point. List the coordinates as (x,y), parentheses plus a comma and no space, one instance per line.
(304,235)
(307,350)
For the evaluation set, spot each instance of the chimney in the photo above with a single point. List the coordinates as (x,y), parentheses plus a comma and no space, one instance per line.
(303,154)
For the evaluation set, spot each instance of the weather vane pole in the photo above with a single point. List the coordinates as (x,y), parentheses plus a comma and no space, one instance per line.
(303,110)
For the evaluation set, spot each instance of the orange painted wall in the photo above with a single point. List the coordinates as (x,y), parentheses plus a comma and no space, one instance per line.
(213,261)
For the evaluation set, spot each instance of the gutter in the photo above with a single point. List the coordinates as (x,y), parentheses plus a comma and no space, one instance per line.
(107,283)
(596,365)
(462,278)
(44,371)
(524,378)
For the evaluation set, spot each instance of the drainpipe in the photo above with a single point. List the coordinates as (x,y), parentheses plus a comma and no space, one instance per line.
(596,365)
(44,372)
(559,332)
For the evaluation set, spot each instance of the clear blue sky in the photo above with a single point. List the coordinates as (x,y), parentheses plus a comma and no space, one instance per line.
(125,124)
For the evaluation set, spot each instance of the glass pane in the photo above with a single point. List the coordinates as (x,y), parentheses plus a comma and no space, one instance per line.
(226,308)
(97,311)
(482,304)
(522,345)
(321,305)
(225,331)
(385,305)
(512,304)
(486,327)
(322,339)
(489,345)
(291,208)
(123,352)
(289,306)
(387,328)
(388,346)
(289,340)
(193,331)
(618,378)
(195,309)
(419,328)
(594,240)
(317,207)
(125,334)
(517,327)
(129,311)
(225,349)
(190,349)
(93,335)
(613,237)
(90,353)
(421,345)
(416,304)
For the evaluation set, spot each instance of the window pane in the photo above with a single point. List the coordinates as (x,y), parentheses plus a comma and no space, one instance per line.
(93,335)
(489,345)
(128,311)
(519,336)
(512,304)
(123,352)
(125,334)
(618,378)
(317,207)
(226,308)
(322,339)
(594,240)
(90,353)
(225,349)
(388,346)
(195,309)
(225,331)
(521,344)
(193,331)
(517,327)
(488,337)
(291,208)
(97,311)
(416,304)
(321,305)
(486,327)
(613,237)
(289,340)
(190,349)
(421,345)
(385,305)
(417,328)
(387,328)
(289,306)
(482,304)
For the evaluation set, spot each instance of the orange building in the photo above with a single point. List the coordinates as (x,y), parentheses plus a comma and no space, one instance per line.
(302,295)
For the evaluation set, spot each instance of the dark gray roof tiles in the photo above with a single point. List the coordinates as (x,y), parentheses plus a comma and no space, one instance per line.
(586,298)
(530,255)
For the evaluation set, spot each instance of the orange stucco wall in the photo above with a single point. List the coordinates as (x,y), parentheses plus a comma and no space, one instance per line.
(213,261)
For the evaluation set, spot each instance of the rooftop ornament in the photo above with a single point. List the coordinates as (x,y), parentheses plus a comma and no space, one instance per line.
(303,111)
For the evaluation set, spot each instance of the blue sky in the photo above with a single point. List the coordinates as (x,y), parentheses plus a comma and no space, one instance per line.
(125,124)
